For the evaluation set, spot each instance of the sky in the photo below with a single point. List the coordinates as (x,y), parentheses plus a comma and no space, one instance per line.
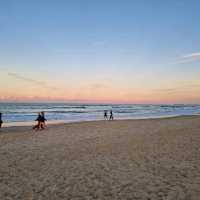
(108,51)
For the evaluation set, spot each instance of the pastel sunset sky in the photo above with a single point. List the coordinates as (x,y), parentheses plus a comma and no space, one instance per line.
(117,51)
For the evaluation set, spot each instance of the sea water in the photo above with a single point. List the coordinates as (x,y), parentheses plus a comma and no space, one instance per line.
(72,112)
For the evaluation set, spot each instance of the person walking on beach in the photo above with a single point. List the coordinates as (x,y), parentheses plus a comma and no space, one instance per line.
(105,114)
(1,122)
(38,119)
(42,121)
(111,115)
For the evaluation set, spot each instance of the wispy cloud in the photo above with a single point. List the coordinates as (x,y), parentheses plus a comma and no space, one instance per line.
(174,90)
(189,58)
(166,90)
(30,80)
(98,86)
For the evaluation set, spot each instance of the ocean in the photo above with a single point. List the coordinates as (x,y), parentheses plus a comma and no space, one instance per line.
(69,112)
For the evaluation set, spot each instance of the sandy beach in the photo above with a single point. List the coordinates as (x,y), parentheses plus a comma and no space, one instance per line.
(145,159)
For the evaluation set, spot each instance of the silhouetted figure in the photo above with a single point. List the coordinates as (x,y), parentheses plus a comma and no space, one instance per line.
(105,114)
(1,122)
(38,119)
(42,121)
(111,115)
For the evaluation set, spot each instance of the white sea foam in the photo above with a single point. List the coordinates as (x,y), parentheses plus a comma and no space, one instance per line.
(16,113)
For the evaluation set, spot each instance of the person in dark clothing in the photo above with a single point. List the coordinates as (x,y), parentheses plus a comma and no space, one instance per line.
(105,114)
(42,121)
(1,122)
(111,115)
(38,119)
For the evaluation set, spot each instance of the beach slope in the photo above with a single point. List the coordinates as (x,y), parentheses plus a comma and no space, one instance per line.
(128,159)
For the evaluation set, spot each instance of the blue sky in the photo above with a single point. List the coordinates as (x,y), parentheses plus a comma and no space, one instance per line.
(133,46)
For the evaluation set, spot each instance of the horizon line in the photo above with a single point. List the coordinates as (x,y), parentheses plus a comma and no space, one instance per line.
(95,103)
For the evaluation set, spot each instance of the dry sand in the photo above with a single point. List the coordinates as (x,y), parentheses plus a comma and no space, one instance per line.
(131,159)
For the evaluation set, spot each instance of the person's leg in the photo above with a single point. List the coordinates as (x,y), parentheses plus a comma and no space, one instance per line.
(42,125)
(36,126)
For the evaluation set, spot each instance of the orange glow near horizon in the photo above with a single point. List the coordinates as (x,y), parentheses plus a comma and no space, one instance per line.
(149,98)
(137,91)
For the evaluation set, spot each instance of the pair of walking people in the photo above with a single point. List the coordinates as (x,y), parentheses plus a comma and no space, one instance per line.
(40,119)
(41,122)
(106,115)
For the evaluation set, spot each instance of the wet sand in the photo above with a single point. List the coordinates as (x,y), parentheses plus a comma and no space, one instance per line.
(126,159)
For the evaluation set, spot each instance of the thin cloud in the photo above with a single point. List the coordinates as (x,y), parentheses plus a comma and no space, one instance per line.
(189,58)
(98,86)
(30,80)
(178,89)
(193,55)
(167,90)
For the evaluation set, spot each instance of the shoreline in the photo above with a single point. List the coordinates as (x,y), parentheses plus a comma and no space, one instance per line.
(28,125)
